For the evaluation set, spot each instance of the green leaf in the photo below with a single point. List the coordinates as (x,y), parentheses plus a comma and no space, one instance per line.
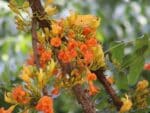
(121,81)
(141,45)
(120,77)
(135,69)
(117,51)
(20,2)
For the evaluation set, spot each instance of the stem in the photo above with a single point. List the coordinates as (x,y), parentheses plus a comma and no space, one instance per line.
(101,77)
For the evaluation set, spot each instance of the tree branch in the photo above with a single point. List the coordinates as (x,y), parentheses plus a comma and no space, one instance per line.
(101,77)
(82,97)
(34,42)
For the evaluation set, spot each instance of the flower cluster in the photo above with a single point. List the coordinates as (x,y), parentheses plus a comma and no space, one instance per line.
(45,104)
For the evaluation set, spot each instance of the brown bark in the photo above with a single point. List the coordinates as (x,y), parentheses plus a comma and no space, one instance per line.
(84,99)
(38,12)
(101,77)
(34,42)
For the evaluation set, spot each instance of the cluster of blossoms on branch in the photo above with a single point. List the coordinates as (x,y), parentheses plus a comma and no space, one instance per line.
(68,53)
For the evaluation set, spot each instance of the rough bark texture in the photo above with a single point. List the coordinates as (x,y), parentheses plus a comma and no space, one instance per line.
(101,77)
(84,99)
(38,11)
(34,42)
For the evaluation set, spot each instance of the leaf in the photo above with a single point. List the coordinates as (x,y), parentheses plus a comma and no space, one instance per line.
(20,2)
(135,69)
(120,77)
(117,52)
(137,57)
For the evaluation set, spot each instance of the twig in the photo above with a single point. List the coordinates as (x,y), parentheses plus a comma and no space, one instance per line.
(101,77)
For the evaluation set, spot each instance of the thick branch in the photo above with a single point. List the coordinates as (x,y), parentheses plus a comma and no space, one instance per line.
(38,12)
(34,42)
(101,77)
(84,99)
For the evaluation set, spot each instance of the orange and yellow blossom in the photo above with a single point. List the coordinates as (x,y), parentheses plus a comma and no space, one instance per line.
(142,85)
(93,89)
(45,104)
(72,44)
(91,42)
(86,31)
(91,77)
(56,28)
(88,57)
(20,95)
(55,91)
(56,42)
(9,110)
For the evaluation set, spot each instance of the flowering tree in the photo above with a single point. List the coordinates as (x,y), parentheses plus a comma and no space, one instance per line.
(67,56)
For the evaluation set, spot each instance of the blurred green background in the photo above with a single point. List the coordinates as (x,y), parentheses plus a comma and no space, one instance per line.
(120,20)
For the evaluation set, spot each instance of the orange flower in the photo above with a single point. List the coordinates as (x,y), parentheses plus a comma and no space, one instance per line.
(40,49)
(93,89)
(88,57)
(83,48)
(64,56)
(71,34)
(30,60)
(45,105)
(73,53)
(72,44)
(56,42)
(91,42)
(20,95)
(9,110)
(86,31)
(55,91)
(91,76)
(147,66)
(45,56)
(2,110)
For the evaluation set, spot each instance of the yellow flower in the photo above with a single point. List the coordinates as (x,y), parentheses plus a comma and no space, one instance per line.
(41,78)
(26,4)
(50,10)
(99,60)
(9,99)
(51,66)
(72,18)
(56,29)
(142,85)
(127,104)
(26,74)
(87,20)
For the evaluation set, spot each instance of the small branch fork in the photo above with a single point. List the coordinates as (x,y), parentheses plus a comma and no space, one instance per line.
(82,97)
